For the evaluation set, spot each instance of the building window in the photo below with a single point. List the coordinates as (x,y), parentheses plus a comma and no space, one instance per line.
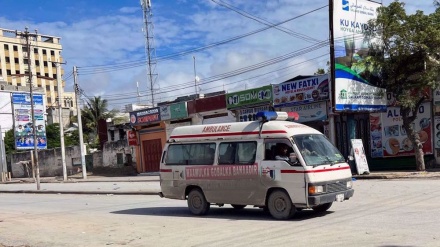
(6,47)
(7,59)
(37,62)
(46,74)
(55,88)
(47,88)
(49,100)
(44,52)
(16,60)
(55,76)
(45,63)
(15,48)
(24,48)
(52,53)
(38,74)
(36,50)
(8,72)
(17,72)
(25,61)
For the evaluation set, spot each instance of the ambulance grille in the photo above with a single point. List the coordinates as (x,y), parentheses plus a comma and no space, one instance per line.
(336,187)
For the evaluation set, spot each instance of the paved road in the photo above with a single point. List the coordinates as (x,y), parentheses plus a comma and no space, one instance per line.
(381,213)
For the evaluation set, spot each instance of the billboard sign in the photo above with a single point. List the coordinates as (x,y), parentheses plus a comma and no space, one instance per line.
(388,137)
(23,133)
(310,112)
(132,138)
(249,97)
(353,91)
(302,91)
(145,116)
(173,111)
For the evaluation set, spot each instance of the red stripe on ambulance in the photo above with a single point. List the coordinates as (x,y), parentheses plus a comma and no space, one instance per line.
(315,171)
(231,134)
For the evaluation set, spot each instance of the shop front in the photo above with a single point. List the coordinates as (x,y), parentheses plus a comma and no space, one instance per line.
(151,134)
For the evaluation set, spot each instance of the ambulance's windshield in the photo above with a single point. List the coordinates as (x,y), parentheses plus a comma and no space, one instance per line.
(317,150)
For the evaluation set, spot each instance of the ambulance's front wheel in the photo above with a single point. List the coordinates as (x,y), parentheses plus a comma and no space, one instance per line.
(197,203)
(280,206)
(322,208)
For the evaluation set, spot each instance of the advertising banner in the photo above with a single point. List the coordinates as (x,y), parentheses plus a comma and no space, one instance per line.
(24,137)
(173,111)
(359,156)
(145,116)
(353,91)
(249,97)
(309,112)
(132,138)
(388,137)
(437,97)
(437,131)
(249,114)
(301,91)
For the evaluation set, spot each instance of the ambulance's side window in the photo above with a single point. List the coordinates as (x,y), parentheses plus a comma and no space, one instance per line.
(191,154)
(237,153)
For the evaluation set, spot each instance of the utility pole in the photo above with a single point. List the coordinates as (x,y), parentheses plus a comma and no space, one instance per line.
(27,36)
(60,116)
(3,167)
(149,45)
(80,130)
(195,75)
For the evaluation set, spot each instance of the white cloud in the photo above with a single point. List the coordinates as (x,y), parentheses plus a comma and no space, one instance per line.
(117,38)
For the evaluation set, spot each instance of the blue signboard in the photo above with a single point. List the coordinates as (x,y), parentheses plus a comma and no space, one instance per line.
(145,116)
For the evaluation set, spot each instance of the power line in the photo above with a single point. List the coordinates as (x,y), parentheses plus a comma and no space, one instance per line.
(132,64)
(119,98)
(267,23)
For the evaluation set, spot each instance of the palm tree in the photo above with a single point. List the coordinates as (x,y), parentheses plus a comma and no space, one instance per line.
(95,110)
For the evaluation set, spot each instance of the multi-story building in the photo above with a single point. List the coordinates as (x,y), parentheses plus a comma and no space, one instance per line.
(44,51)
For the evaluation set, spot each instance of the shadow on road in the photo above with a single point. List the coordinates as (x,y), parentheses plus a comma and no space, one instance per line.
(217,213)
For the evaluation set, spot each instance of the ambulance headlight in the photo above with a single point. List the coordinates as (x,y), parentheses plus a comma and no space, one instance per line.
(349,184)
(315,189)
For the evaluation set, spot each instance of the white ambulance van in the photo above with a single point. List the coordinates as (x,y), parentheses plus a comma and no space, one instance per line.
(278,165)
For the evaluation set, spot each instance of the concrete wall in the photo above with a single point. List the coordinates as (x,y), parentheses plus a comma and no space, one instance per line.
(51,165)
(49,161)
(112,149)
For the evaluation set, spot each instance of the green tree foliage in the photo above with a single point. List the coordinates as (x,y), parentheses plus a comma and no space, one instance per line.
(54,138)
(9,142)
(407,54)
(320,71)
(95,109)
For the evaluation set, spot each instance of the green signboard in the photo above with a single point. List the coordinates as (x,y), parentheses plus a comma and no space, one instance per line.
(249,97)
(174,111)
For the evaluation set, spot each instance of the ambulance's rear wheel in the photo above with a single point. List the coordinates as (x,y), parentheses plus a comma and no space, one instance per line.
(280,206)
(197,203)
(236,206)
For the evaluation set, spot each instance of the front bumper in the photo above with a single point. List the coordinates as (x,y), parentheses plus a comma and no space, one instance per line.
(330,197)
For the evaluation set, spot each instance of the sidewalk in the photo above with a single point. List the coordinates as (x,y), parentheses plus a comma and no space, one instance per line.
(148,185)
(130,185)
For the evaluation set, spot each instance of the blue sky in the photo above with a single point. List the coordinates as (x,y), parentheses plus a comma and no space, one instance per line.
(109,32)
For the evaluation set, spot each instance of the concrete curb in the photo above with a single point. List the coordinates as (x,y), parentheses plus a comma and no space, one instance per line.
(80,192)
(77,181)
